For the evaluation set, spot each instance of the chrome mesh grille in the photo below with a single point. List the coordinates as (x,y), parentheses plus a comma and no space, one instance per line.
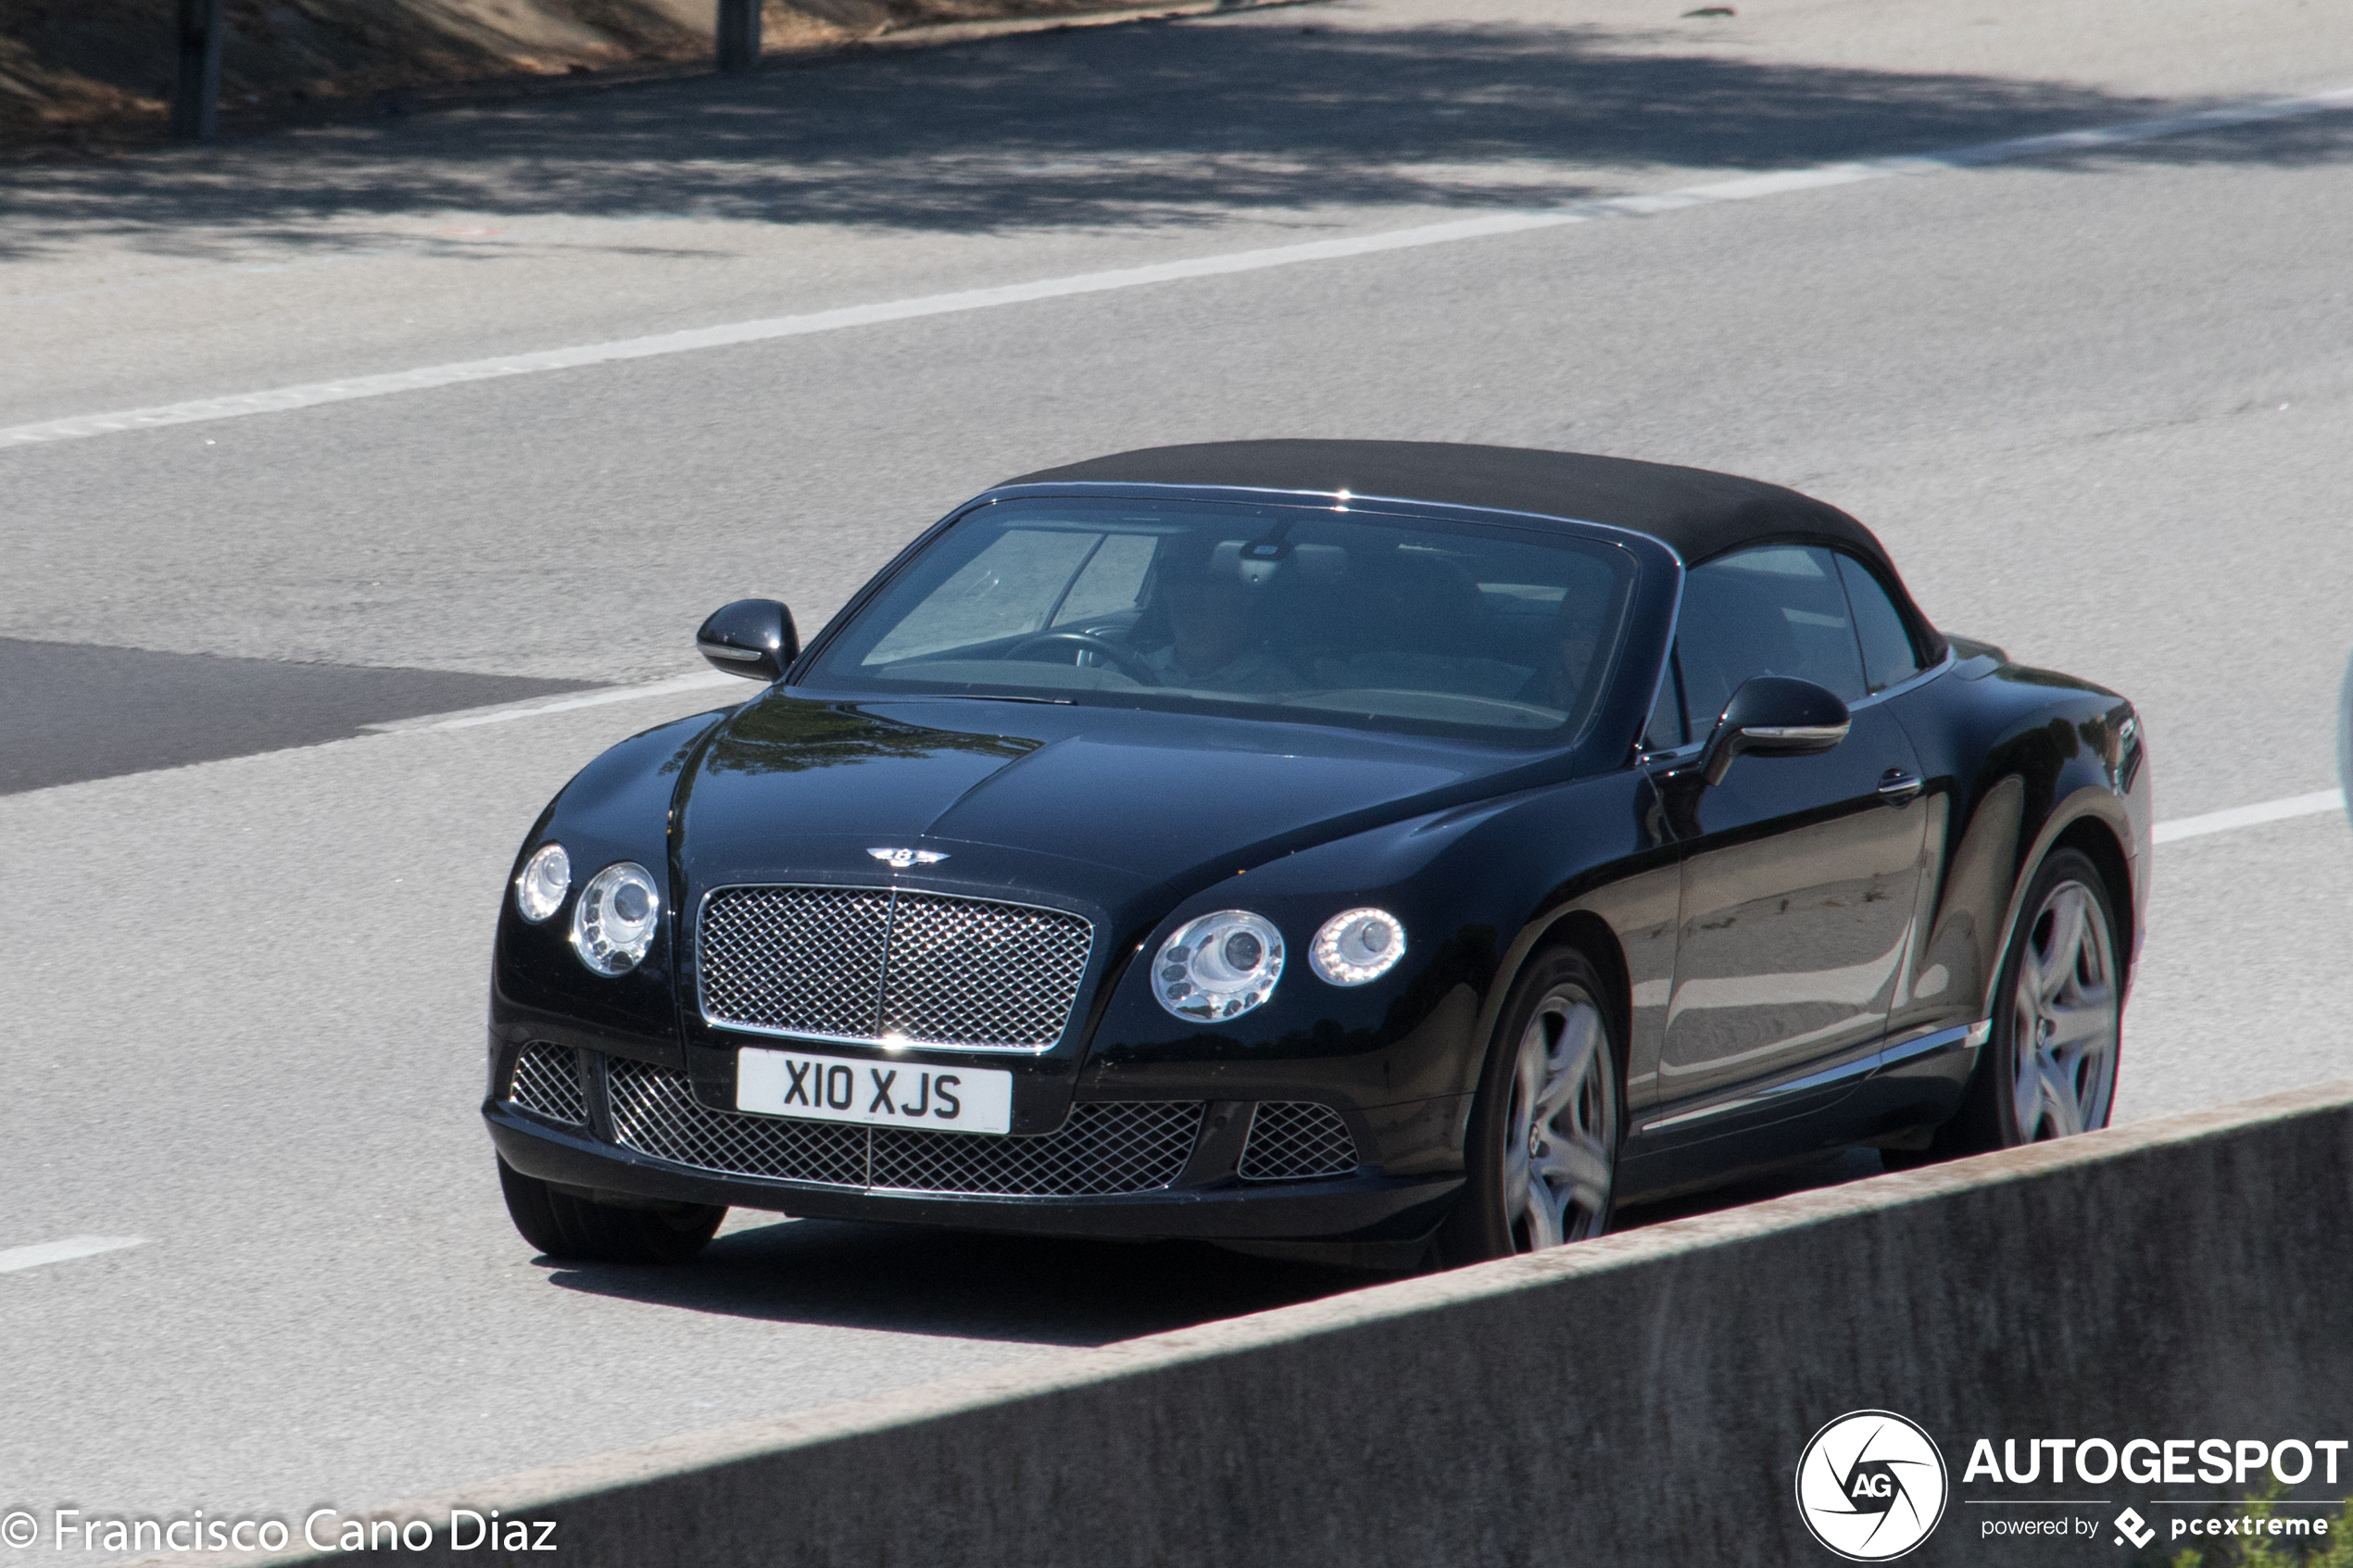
(547,1079)
(805,960)
(1100,1149)
(847,963)
(656,1112)
(1290,1140)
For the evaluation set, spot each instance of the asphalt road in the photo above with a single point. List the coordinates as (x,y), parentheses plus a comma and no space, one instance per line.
(2099,404)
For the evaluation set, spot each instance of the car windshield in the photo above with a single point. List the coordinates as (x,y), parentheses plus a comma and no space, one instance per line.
(1270,611)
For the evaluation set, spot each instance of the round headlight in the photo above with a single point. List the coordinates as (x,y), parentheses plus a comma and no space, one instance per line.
(1218,967)
(1357,946)
(541,884)
(613,923)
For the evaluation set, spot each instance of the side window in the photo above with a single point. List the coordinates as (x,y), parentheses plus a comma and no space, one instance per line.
(1777,610)
(1665,730)
(1888,653)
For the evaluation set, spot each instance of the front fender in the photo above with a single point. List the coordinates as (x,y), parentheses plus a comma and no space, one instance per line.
(1476,887)
(617,807)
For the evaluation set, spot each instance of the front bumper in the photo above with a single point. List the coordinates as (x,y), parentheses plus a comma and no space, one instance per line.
(1205,1198)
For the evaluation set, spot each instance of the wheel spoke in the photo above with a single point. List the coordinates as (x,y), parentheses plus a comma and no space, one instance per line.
(2055,965)
(1516,1178)
(2073,1027)
(1556,1067)
(1580,1169)
(1535,1055)
(2026,1091)
(2059,1101)
(1544,1217)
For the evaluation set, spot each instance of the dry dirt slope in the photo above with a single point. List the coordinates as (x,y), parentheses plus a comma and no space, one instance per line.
(69,68)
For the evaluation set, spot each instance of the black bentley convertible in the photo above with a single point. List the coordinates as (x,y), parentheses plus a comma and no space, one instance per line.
(1376,850)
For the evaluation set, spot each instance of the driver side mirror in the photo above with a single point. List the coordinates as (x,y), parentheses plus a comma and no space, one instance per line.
(1774,716)
(753,639)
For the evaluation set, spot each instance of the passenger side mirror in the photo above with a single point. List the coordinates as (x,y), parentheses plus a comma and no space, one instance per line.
(1774,716)
(753,639)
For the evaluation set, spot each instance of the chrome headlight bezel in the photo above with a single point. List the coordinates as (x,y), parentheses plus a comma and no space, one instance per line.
(1195,975)
(542,884)
(610,935)
(1356,947)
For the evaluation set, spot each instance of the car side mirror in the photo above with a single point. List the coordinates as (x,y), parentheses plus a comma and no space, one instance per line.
(1774,716)
(753,639)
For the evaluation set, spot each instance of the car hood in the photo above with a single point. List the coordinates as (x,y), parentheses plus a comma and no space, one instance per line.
(793,785)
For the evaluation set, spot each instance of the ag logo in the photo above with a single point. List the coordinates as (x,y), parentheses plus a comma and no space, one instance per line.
(1872,1485)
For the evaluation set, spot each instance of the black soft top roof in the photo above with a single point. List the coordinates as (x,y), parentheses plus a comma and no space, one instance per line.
(1697,512)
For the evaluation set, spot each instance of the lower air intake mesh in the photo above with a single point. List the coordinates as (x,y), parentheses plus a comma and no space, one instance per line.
(547,1079)
(656,1112)
(1292,1140)
(1104,1147)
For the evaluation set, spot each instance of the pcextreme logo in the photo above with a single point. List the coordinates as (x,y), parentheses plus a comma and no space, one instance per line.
(1872,1485)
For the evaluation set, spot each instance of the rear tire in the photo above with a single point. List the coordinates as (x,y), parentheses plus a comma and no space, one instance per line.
(578,1231)
(1541,1157)
(2049,1067)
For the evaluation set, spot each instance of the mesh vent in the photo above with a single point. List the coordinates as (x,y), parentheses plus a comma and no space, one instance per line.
(547,1081)
(656,1112)
(847,963)
(1100,1149)
(1289,1140)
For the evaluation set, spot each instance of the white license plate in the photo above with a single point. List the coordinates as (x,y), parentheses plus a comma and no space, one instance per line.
(874,1094)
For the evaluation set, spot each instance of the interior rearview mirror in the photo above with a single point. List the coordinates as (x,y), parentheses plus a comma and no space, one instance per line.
(753,639)
(1774,716)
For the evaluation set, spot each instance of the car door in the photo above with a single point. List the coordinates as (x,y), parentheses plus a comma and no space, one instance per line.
(1800,874)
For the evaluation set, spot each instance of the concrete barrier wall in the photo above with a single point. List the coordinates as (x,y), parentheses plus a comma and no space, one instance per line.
(1642,1399)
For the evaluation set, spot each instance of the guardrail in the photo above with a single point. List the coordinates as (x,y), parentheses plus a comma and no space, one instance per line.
(1641,1399)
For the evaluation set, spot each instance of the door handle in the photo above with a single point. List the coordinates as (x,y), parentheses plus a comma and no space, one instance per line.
(1896,787)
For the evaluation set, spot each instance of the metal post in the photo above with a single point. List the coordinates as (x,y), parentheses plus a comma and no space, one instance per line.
(196,95)
(738,35)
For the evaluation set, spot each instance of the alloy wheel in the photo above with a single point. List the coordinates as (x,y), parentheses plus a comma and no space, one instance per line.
(2064,1017)
(1560,1138)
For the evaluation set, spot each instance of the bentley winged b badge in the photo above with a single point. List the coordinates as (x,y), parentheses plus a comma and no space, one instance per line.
(901,858)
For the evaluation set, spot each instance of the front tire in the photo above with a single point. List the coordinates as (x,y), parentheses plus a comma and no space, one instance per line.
(576,1230)
(2050,1064)
(1541,1153)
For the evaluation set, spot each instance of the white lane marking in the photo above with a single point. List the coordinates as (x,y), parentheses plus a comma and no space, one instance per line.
(16,1258)
(508,712)
(1748,188)
(2248,816)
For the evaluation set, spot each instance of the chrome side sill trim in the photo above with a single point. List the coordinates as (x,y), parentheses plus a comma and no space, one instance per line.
(1970,1035)
(1858,1067)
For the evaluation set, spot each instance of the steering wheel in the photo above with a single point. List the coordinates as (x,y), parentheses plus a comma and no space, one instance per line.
(1127,660)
